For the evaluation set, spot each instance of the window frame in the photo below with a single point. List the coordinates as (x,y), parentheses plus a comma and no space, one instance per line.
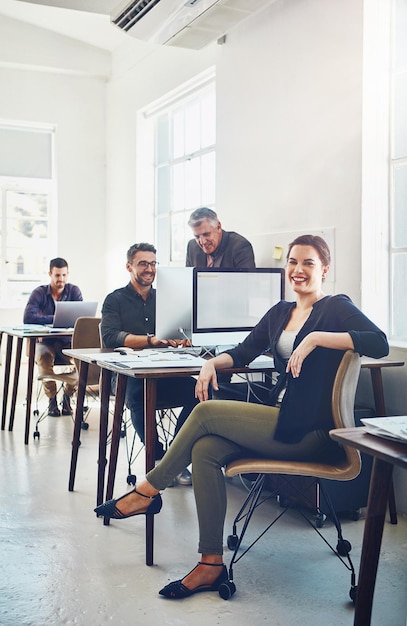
(148,216)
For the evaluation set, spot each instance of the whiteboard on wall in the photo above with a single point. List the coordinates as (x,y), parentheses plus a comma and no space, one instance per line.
(270,250)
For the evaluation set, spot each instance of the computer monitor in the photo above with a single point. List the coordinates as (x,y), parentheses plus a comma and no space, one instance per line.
(173,316)
(228,303)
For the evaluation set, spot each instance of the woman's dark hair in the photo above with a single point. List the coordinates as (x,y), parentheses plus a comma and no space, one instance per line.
(316,242)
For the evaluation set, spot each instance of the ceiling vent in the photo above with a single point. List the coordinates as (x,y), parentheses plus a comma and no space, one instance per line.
(187,24)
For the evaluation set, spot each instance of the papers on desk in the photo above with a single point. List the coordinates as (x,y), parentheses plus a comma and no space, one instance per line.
(42,328)
(262,361)
(394,428)
(149,358)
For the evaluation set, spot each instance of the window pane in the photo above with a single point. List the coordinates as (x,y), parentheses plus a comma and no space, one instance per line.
(192,127)
(400,34)
(27,233)
(25,153)
(178,236)
(26,244)
(208,121)
(400,117)
(178,187)
(208,178)
(163,148)
(163,189)
(400,207)
(400,296)
(178,140)
(162,238)
(193,182)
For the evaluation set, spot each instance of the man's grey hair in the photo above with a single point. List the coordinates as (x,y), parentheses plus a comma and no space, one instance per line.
(199,215)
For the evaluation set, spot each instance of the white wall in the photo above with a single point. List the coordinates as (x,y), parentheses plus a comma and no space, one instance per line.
(289,89)
(47,78)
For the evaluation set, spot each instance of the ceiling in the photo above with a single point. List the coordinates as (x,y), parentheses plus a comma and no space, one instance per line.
(85,20)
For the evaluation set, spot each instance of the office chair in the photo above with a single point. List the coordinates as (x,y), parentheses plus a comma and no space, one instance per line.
(85,335)
(343,397)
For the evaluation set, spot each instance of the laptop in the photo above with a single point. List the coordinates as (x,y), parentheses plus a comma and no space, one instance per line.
(68,311)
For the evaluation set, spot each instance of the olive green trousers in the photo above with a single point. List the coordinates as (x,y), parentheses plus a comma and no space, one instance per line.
(216,432)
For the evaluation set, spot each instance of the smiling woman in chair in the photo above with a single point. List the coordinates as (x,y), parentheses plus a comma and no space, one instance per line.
(308,338)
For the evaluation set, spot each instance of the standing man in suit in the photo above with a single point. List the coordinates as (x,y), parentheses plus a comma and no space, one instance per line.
(214,247)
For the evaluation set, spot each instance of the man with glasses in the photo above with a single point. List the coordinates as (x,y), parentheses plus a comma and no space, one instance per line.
(128,319)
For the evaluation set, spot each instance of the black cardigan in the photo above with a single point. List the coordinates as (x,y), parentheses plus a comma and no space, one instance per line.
(306,404)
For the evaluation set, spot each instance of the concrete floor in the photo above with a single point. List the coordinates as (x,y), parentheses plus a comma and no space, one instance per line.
(61,566)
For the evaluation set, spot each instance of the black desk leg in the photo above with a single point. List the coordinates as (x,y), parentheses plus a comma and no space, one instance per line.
(30,375)
(150,398)
(372,538)
(76,439)
(114,444)
(380,408)
(17,366)
(7,369)
(105,387)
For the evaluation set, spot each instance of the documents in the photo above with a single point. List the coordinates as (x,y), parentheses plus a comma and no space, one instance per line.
(394,427)
(149,359)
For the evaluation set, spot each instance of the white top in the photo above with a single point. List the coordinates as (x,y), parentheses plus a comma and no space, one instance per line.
(285,347)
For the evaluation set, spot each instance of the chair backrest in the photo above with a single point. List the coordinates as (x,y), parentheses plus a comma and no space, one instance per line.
(344,390)
(343,400)
(86,335)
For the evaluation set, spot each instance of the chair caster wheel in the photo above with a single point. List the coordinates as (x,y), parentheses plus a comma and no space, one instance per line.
(283,502)
(36,412)
(232,542)
(123,433)
(319,520)
(343,547)
(84,425)
(227,589)
(353,592)
(131,479)
(36,434)
(355,515)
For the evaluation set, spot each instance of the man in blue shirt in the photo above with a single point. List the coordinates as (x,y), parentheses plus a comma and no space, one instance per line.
(40,309)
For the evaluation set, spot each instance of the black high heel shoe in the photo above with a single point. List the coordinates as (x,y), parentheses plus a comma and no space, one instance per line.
(109,508)
(177,590)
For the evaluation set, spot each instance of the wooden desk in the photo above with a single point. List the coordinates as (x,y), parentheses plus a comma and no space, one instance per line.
(385,454)
(150,377)
(375,366)
(20,333)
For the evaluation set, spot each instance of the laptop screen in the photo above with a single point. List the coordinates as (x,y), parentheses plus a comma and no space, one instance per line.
(67,312)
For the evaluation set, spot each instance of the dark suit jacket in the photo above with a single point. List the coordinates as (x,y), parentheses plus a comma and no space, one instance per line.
(233,251)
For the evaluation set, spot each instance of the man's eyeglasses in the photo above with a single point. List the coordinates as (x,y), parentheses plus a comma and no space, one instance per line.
(145,264)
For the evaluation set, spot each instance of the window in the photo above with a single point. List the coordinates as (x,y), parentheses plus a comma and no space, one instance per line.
(26,216)
(182,131)
(398,176)
(384,182)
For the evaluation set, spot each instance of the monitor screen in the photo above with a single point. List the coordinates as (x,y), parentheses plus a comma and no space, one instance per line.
(173,303)
(228,303)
